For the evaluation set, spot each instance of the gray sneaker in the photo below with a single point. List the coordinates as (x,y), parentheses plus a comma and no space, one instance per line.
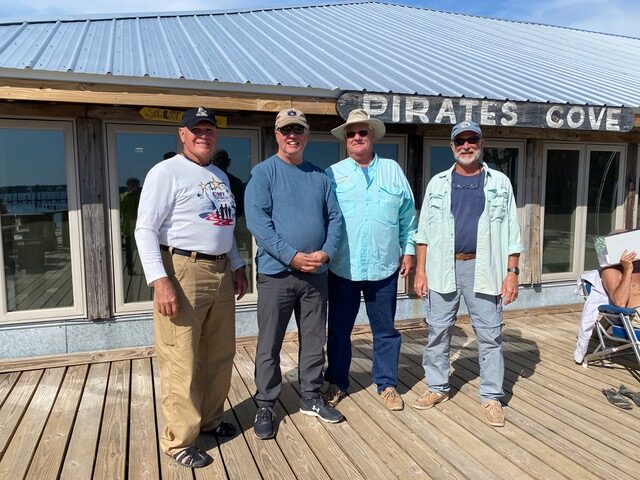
(317,407)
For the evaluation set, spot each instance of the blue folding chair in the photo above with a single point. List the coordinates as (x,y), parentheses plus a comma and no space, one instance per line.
(616,334)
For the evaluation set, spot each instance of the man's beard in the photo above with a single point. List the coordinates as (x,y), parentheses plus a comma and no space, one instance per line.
(477,157)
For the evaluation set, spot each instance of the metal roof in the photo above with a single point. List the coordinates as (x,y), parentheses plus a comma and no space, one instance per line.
(327,49)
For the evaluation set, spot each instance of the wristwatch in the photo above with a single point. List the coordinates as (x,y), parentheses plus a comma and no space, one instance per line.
(515,270)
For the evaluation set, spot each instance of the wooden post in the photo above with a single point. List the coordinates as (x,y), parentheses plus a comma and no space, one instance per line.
(93,195)
(530,261)
(631,185)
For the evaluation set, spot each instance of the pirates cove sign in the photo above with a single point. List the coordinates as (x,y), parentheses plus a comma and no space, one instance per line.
(418,109)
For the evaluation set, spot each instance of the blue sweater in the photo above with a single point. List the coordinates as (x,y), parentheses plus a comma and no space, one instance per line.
(290,209)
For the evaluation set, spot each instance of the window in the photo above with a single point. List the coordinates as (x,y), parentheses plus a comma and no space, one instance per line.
(582,198)
(39,216)
(132,151)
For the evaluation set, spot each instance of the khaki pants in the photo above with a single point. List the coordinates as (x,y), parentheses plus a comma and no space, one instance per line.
(195,349)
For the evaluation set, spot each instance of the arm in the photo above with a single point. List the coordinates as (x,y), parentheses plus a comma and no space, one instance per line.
(617,280)
(420,283)
(258,205)
(510,283)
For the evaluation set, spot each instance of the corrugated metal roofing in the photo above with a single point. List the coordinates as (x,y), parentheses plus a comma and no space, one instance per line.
(370,46)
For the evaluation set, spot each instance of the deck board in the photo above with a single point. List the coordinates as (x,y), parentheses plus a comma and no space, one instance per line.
(103,420)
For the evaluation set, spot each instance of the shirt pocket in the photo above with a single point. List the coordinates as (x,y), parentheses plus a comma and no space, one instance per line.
(345,193)
(390,199)
(498,200)
(435,208)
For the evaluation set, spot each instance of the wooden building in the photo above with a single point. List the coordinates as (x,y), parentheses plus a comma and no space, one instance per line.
(89,103)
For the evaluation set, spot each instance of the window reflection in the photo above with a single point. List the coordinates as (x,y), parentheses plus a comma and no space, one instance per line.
(322,154)
(561,194)
(34,216)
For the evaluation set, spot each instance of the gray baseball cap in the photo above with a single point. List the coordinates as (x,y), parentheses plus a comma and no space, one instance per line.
(465,126)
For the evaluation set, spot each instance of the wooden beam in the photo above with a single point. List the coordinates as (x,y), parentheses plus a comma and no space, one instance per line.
(159,97)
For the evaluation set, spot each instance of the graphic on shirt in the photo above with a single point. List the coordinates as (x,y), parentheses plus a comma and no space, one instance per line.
(222,203)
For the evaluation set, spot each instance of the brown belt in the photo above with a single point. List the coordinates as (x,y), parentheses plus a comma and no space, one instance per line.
(188,253)
(465,256)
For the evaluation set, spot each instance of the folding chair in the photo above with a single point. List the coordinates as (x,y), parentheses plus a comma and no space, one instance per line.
(615,333)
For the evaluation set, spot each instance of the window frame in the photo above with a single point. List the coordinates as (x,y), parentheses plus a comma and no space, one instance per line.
(111,129)
(75,229)
(584,150)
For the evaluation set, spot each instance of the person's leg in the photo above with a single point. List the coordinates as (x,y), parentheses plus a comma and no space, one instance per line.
(276,300)
(441,316)
(311,316)
(344,303)
(380,300)
(217,342)
(177,341)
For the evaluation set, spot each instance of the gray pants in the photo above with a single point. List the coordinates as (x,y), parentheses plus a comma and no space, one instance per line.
(486,319)
(279,296)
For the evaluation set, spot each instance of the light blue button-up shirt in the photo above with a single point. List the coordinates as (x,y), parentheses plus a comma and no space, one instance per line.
(498,233)
(379,219)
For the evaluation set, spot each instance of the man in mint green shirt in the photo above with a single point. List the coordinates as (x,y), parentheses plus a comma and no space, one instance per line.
(467,245)
(376,246)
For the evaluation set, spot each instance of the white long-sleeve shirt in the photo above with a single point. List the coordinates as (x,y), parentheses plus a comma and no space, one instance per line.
(187,206)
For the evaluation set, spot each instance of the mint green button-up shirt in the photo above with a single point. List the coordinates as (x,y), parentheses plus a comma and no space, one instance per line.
(498,233)
(379,219)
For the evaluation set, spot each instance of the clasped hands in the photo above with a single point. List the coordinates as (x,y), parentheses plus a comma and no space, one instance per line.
(309,262)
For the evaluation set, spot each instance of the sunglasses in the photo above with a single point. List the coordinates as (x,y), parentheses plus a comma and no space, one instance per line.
(297,129)
(362,133)
(458,142)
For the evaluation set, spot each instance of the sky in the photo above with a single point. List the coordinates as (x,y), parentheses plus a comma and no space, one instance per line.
(621,17)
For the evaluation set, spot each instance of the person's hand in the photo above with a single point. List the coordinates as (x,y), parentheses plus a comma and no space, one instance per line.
(509,291)
(240,282)
(305,262)
(407,264)
(627,259)
(164,297)
(421,285)
(320,256)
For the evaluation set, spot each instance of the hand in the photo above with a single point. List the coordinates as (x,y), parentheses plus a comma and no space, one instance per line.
(421,285)
(509,288)
(164,297)
(240,282)
(407,264)
(305,262)
(626,261)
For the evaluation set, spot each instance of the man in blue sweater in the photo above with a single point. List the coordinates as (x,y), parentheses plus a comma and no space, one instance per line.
(293,215)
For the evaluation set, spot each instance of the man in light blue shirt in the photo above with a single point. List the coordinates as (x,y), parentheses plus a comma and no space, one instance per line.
(469,227)
(376,245)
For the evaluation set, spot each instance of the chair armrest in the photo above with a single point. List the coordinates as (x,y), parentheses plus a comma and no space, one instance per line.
(617,310)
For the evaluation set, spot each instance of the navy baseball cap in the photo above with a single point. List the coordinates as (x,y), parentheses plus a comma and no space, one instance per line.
(465,126)
(194,116)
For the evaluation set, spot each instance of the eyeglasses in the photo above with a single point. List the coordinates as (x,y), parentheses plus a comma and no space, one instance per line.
(458,142)
(286,130)
(362,133)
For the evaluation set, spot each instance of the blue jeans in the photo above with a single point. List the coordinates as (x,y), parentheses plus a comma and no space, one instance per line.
(344,303)
(486,319)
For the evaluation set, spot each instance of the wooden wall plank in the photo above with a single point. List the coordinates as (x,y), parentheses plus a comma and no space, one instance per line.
(48,458)
(94,199)
(14,407)
(143,447)
(112,446)
(81,453)
(19,452)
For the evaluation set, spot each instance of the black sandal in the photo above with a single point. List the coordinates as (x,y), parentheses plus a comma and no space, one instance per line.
(616,399)
(192,457)
(635,396)
(224,430)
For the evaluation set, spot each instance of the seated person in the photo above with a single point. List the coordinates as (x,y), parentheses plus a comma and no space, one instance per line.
(622,283)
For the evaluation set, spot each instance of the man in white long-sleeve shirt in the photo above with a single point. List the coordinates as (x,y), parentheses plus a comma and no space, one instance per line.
(185,239)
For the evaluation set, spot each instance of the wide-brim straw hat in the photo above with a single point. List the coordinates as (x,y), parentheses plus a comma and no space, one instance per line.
(360,116)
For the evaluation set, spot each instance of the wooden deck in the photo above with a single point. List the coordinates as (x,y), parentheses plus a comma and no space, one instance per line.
(101,420)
